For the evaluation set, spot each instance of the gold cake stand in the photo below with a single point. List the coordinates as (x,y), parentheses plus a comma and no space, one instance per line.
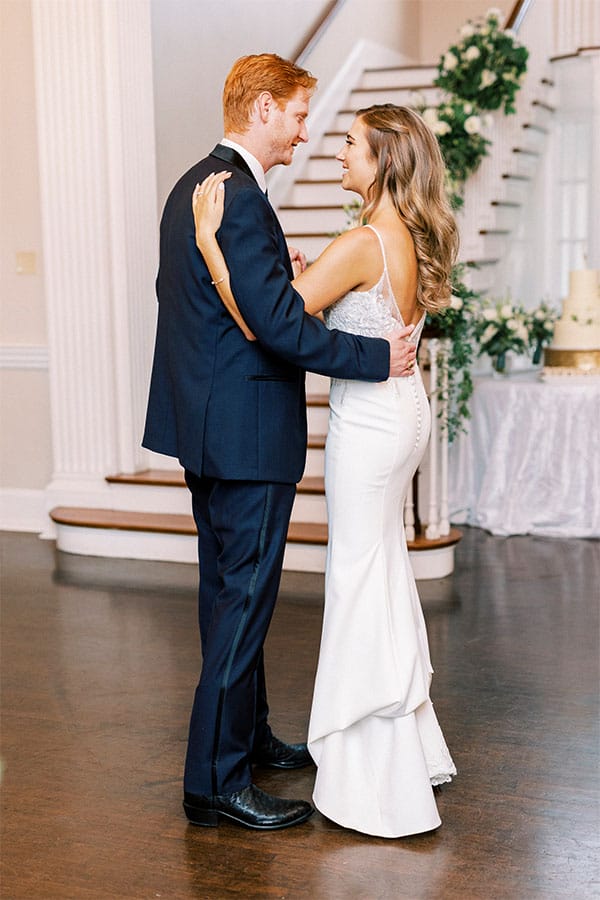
(583,360)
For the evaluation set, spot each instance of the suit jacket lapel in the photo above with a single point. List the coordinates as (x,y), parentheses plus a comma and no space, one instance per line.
(229,155)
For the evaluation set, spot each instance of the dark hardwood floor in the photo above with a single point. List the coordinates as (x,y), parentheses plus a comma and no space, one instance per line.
(99,662)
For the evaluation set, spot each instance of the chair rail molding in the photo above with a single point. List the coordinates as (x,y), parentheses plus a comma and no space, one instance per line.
(23,356)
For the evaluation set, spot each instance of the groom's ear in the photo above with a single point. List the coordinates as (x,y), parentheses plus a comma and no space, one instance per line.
(263,106)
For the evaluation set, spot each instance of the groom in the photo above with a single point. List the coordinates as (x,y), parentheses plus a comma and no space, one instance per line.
(234,413)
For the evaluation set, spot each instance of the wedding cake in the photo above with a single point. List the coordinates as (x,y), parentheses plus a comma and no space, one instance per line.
(575,346)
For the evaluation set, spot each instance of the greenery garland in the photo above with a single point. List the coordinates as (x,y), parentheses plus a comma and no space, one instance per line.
(483,71)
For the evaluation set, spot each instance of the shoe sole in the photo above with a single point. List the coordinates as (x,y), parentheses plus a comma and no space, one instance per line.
(209,818)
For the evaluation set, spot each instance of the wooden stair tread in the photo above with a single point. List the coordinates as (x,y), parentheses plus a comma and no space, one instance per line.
(154,477)
(317,400)
(393,87)
(123,520)
(312,484)
(165,523)
(306,206)
(177,523)
(401,68)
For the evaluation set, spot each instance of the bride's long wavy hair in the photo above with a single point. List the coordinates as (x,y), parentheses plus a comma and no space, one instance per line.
(410,167)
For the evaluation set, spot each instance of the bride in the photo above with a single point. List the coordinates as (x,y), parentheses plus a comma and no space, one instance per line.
(373,732)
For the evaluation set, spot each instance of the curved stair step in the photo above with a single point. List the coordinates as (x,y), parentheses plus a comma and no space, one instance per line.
(164,523)
(172,523)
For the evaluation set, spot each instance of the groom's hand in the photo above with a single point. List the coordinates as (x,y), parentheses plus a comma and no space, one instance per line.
(402,353)
(298,260)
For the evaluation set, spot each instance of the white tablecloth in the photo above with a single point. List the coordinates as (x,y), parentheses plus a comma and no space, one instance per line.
(530,463)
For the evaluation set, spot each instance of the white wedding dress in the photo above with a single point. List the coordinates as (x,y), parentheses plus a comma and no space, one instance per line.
(373,732)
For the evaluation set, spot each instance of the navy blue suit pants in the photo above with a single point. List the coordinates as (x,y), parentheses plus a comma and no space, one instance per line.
(242,529)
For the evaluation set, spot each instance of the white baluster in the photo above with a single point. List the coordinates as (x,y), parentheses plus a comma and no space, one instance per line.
(432,531)
(444,515)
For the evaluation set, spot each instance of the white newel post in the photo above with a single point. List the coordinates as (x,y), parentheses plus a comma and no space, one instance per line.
(99,215)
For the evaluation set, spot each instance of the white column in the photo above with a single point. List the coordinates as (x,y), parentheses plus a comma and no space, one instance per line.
(99,219)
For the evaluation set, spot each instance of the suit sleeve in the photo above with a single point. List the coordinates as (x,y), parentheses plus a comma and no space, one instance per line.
(275,311)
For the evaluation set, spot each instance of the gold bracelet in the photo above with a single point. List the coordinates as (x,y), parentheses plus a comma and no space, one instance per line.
(219,280)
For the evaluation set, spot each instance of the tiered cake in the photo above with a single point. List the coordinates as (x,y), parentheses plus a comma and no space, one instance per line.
(575,345)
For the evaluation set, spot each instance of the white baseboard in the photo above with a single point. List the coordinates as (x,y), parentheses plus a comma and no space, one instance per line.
(22,510)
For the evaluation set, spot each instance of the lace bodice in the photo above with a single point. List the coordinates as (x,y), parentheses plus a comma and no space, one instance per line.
(372,313)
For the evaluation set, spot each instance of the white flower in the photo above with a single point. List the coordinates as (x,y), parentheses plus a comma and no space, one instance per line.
(455,302)
(450,61)
(431,116)
(509,32)
(472,53)
(487,78)
(522,332)
(468,108)
(467,30)
(441,127)
(489,315)
(539,314)
(494,13)
(488,334)
(506,311)
(473,125)
(488,120)
(512,324)
(417,100)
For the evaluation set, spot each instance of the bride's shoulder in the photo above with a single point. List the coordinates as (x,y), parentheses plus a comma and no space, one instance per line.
(356,240)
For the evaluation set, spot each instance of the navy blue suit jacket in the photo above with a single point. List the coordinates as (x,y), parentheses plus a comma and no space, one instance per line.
(228,407)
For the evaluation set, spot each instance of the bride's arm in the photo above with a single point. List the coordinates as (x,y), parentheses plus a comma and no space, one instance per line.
(350,262)
(347,263)
(207,205)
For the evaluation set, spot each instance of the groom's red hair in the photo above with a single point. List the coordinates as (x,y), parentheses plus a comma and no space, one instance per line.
(250,76)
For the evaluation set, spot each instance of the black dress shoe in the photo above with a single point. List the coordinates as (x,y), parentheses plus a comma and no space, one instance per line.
(250,807)
(277,755)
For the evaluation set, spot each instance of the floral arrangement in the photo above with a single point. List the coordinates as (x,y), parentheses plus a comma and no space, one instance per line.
(498,328)
(486,66)
(456,323)
(458,127)
(540,328)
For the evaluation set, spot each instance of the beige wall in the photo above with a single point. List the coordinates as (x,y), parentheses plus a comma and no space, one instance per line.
(25,451)
(441,20)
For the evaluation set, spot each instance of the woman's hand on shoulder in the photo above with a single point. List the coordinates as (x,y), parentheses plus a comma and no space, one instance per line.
(208,202)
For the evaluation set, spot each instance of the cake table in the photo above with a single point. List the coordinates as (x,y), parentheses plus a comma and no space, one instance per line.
(530,462)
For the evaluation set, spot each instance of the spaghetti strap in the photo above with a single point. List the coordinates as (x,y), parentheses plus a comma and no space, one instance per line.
(374,230)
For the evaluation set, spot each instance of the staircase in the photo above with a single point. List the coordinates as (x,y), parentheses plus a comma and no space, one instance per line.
(131,525)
